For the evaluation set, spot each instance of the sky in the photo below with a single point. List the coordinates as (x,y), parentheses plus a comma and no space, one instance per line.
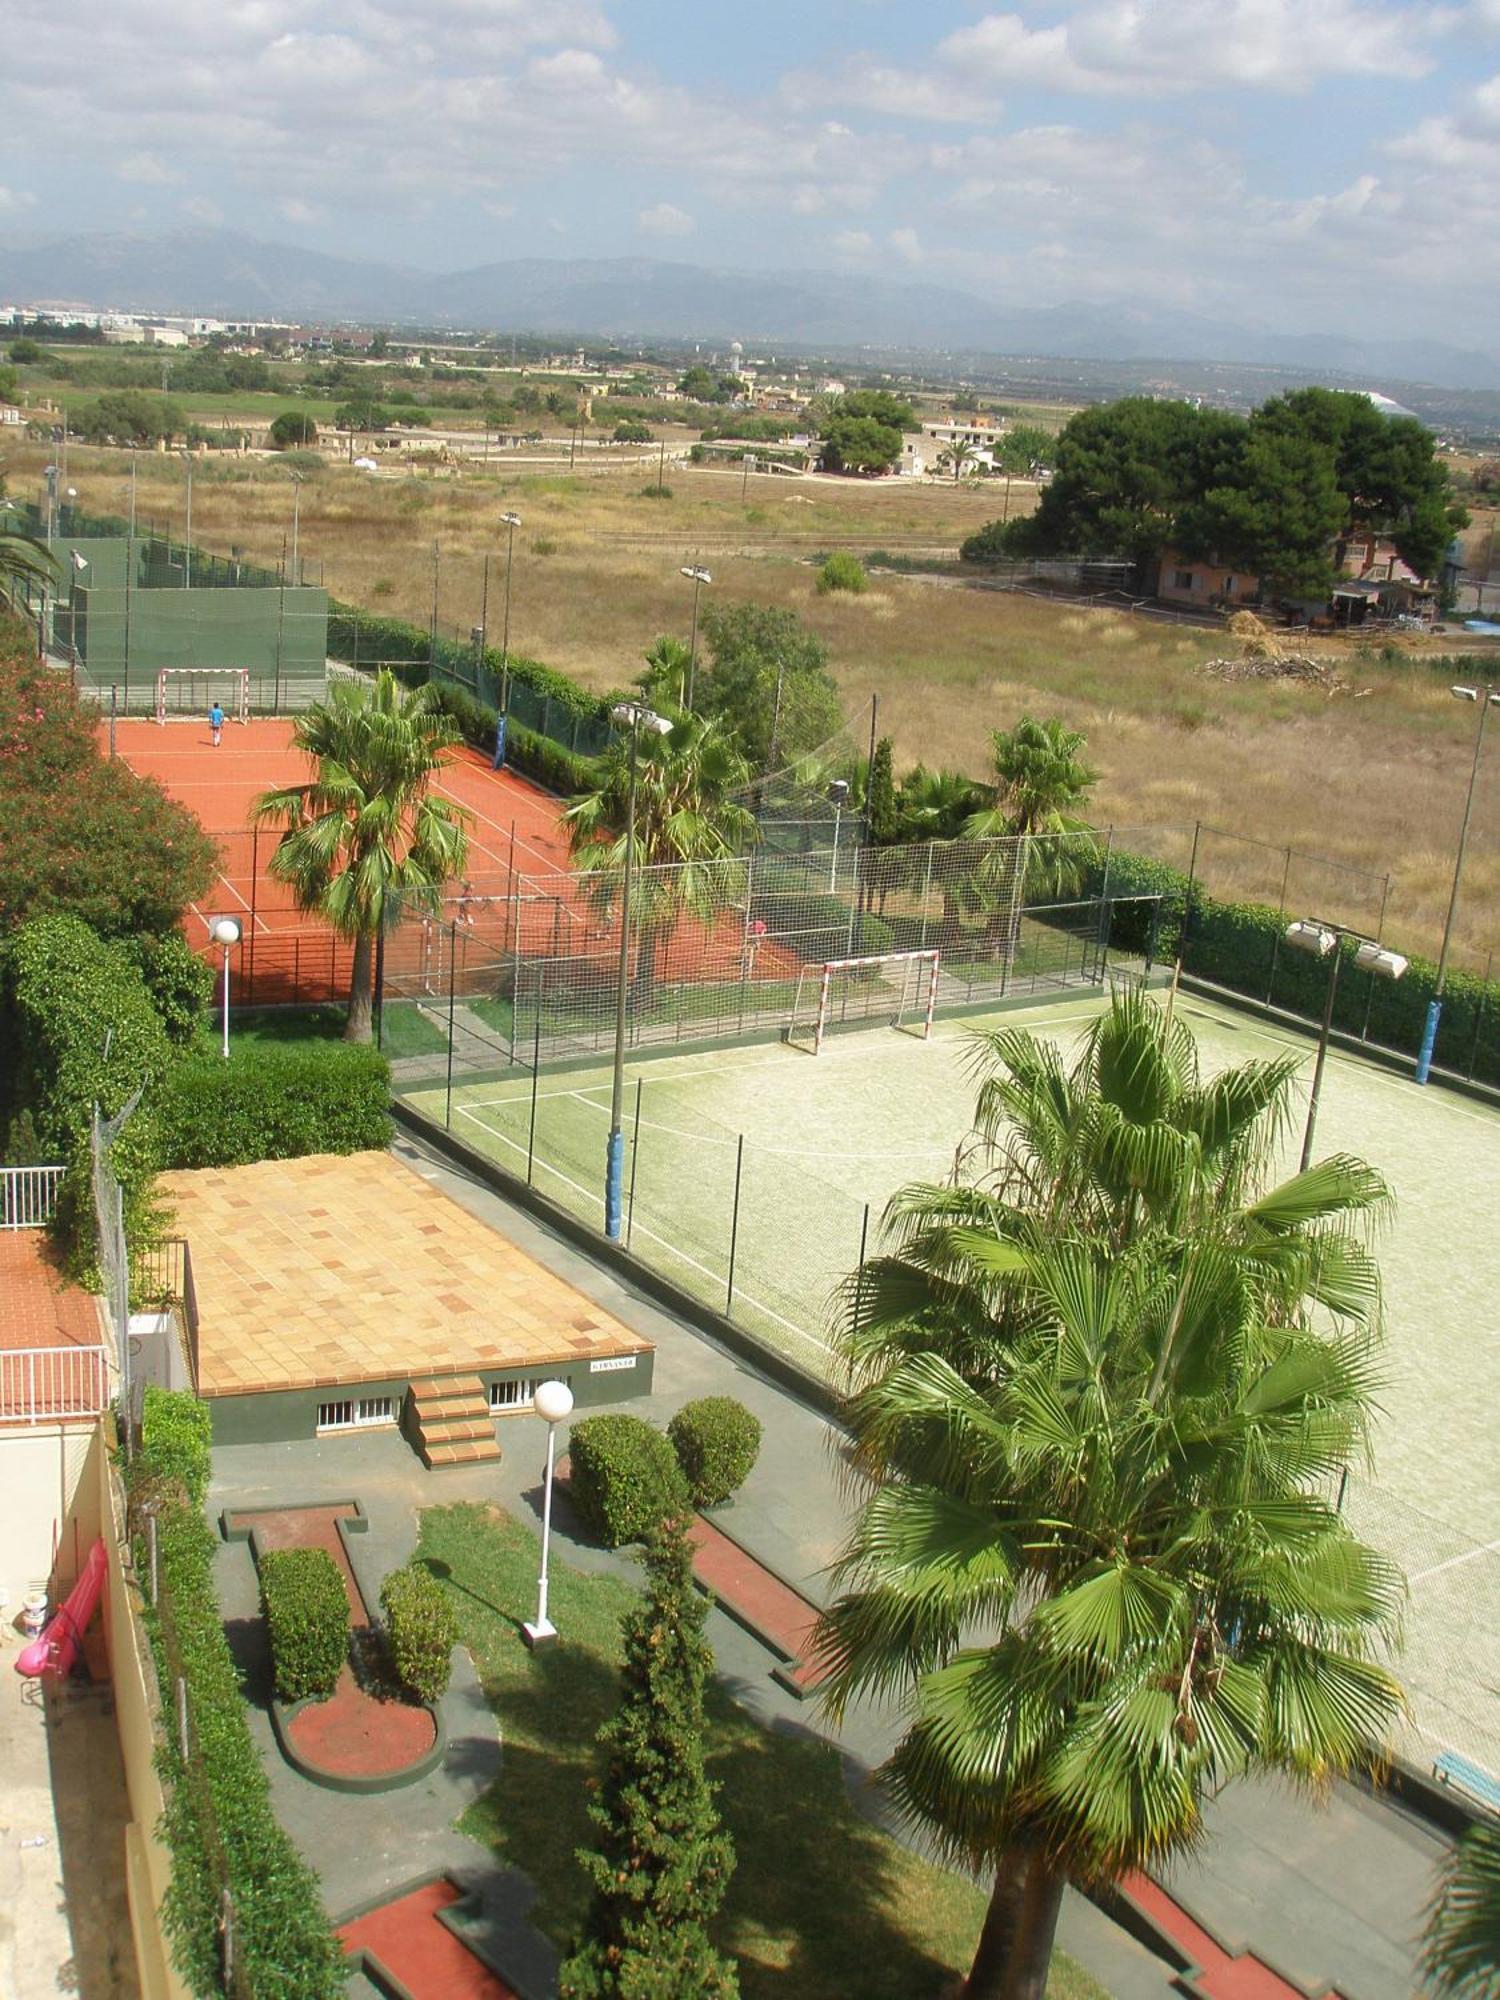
(1307,166)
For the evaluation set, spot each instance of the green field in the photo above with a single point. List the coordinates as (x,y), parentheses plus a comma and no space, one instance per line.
(828,1138)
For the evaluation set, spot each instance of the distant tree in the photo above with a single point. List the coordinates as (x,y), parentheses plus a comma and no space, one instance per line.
(768,681)
(1275,515)
(630,431)
(1041,785)
(660,1862)
(26,352)
(130,416)
(956,454)
(379,347)
(701,385)
(362,413)
(10,385)
(528,400)
(293,429)
(862,432)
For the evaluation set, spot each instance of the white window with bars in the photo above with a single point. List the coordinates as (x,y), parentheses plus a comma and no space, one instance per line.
(354,1413)
(514,1395)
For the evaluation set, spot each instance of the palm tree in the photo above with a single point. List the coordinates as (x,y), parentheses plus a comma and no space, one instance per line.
(668,664)
(1097,1422)
(691,828)
(365,838)
(958,453)
(1040,780)
(25,565)
(1463,1936)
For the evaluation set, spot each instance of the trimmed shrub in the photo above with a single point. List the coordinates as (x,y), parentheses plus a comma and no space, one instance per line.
(717,1442)
(218,1824)
(306,1610)
(180,984)
(421,1628)
(273,1102)
(626,1479)
(177,1441)
(842,571)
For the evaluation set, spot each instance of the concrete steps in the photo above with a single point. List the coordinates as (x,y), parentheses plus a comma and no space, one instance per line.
(448,1420)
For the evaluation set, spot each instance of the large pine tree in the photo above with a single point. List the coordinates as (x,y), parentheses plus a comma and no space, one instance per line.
(662,1861)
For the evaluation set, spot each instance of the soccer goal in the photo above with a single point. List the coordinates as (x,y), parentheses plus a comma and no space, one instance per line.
(899,987)
(186,694)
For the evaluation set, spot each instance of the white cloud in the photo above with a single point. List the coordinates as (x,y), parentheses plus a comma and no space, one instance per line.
(853,243)
(201,208)
(146,170)
(301,214)
(665,219)
(14,200)
(907,245)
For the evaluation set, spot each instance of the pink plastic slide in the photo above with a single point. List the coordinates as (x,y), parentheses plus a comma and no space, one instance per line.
(57,1648)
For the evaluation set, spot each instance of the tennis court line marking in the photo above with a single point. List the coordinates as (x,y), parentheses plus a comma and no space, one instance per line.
(508,831)
(673,1249)
(1453,1562)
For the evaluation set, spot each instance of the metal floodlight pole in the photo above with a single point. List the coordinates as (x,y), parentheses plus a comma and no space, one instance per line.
(296,516)
(432,632)
(1324,941)
(697,576)
(187,546)
(482,639)
(1485,696)
(636,716)
(512,522)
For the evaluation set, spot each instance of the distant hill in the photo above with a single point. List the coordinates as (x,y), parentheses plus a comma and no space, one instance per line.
(218,272)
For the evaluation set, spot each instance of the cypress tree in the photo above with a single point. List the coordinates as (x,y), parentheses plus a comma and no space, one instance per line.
(661,1860)
(881,807)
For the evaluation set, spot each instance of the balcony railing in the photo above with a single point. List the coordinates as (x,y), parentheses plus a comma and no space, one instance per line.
(41,1385)
(166,1272)
(28,1196)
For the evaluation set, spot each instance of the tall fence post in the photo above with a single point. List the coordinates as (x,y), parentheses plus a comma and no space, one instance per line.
(859,1269)
(151,1539)
(536,1070)
(635,1154)
(452,993)
(734,1223)
(182,1718)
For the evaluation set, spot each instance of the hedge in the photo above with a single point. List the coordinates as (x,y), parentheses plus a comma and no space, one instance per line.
(550,763)
(272,1101)
(625,1478)
(717,1442)
(306,1609)
(78,1028)
(176,1441)
(421,1630)
(218,1823)
(1239,946)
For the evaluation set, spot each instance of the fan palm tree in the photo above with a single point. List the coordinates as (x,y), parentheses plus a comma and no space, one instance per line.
(691,830)
(669,662)
(366,839)
(956,454)
(1098,1399)
(1040,779)
(25,565)
(1463,1936)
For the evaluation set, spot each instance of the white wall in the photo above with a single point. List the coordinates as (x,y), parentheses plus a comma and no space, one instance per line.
(40,1467)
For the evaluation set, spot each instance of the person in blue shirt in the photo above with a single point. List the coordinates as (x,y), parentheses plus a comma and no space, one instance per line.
(216,723)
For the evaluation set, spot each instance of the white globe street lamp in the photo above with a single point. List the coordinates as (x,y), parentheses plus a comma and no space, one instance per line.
(227,932)
(553,1402)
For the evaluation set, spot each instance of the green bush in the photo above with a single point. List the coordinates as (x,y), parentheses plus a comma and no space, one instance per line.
(272,1102)
(177,1441)
(717,1442)
(842,571)
(421,1629)
(626,1479)
(218,1824)
(180,984)
(306,1610)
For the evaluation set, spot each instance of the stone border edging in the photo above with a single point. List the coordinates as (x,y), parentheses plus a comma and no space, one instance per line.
(284,1714)
(470,1901)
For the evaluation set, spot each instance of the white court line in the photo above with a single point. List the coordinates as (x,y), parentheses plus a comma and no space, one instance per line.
(680,1254)
(500,827)
(1453,1562)
(254,914)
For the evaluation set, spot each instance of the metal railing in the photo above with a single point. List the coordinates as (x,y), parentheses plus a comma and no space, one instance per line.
(165,1272)
(28,1196)
(40,1385)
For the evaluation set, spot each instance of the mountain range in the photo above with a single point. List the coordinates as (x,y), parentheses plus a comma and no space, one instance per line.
(220,273)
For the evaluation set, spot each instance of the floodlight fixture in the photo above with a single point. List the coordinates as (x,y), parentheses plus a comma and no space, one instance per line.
(1317,940)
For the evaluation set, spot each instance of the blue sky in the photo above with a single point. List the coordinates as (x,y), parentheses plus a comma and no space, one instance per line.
(1302,165)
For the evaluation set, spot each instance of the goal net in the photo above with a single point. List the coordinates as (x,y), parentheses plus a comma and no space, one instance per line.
(186,694)
(897,987)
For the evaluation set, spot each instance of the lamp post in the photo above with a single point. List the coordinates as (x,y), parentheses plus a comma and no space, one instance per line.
(297,485)
(80,564)
(1322,941)
(838,794)
(697,577)
(634,716)
(226,932)
(1486,698)
(510,522)
(553,1402)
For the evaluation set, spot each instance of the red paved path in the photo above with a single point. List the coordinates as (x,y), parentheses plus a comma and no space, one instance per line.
(783,1617)
(411,1944)
(1219,1976)
(351,1735)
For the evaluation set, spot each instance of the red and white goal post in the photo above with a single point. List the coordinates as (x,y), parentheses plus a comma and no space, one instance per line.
(186,694)
(899,987)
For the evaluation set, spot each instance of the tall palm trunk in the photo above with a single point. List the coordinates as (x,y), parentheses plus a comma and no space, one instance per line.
(986,1980)
(361,990)
(1036,1932)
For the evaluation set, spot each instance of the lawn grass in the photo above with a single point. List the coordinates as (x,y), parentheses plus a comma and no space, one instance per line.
(822,1904)
(404,1031)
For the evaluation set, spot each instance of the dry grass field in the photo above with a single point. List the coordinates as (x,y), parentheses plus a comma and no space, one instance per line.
(1373,778)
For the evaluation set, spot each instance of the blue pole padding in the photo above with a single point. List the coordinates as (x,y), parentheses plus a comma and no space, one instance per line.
(1429,1039)
(614,1184)
(499,744)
